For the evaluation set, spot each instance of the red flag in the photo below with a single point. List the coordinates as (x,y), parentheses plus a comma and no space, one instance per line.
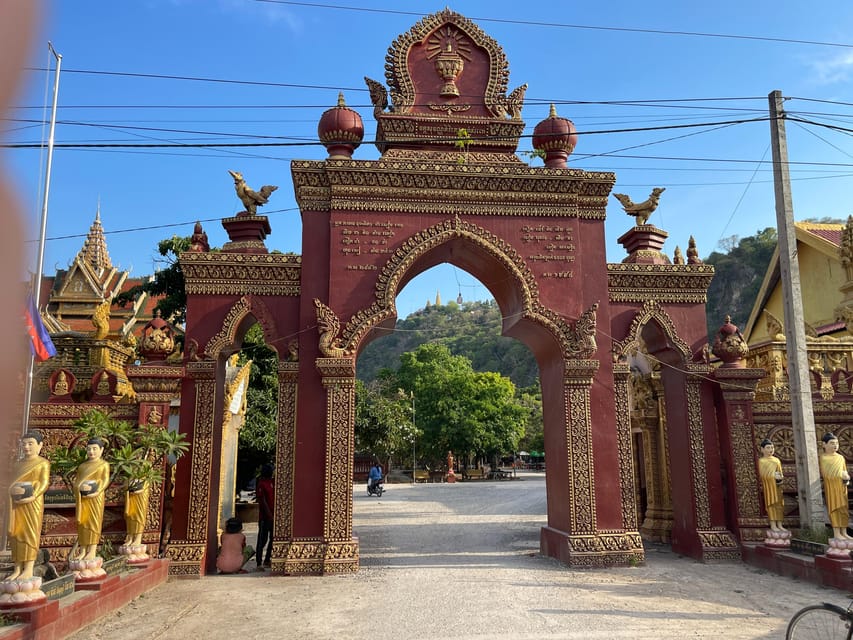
(40,342)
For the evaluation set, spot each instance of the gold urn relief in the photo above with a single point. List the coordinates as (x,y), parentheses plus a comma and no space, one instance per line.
(448,66)
(448,49)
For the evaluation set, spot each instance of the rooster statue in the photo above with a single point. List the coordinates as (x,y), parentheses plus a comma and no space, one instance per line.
(643,210)
(251,199)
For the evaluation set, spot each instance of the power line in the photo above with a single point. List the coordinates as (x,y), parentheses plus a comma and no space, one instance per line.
(697,34)
(414,139)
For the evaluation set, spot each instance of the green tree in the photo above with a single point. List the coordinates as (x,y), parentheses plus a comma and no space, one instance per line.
(383,420)
(258,435)
(458,409)
(167,282)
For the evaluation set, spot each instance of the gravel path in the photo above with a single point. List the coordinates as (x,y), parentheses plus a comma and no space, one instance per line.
(461,561)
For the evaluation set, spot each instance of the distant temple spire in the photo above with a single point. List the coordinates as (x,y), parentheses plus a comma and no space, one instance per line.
(437,298)
(94,251)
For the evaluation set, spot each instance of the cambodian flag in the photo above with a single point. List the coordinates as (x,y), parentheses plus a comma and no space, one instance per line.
(40,342)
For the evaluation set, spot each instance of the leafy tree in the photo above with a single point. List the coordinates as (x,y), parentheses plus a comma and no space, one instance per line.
(258,435)
(458,409)
(167,282)
(384,424)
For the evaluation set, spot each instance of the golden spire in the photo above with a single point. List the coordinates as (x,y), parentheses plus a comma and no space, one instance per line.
(553,112)
(341,101)
(94,251)
(437,299)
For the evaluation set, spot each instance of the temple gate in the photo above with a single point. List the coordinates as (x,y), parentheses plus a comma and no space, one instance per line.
(450,188)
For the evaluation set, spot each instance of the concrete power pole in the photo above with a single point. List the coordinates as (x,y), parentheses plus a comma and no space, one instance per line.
(802,414)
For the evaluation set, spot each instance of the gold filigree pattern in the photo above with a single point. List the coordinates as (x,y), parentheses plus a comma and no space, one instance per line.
(621,373)
(696,438)
(651,310)
(340,418)
(185,558)
(746,479)
(575,341)
(718,544)
(688,283)
(202,458)
(444,187)
(578,381)
(227,337)
(285,457)
(241,273)
(402,88)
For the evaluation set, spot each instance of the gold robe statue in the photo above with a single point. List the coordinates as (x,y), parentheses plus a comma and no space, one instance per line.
(26,496)
(833,470)
(768,467)
(90,484)
(135,514)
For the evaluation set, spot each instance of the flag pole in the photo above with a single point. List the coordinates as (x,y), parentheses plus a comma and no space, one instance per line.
(28,387)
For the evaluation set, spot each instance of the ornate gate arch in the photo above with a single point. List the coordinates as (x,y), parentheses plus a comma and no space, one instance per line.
(533,236)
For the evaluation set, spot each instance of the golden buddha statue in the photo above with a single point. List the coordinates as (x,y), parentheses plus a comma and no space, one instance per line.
(833,470)
(770,471)
(26,493)
(90,484)
(60,387)
(103,384)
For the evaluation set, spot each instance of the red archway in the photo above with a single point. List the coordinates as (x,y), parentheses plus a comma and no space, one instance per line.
(533,236)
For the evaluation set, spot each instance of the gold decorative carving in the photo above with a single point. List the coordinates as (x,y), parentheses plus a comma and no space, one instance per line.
(627,473)
(285,457)
(441,28)
(696,439)
(185,558)
(340,418)
(718,544)
(418,184)
(575,341)
(577,383)
(629,282)
(241,273)
(202,460)
(247,305)
(329,326)
(651,311)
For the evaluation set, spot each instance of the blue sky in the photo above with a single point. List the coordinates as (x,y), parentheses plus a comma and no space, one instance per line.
(607,66)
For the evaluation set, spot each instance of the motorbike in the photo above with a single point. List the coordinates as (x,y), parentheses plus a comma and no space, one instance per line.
(376,488)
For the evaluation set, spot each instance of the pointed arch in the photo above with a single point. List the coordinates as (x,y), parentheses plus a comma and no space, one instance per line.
(575,340)
(651,311)
(233,320)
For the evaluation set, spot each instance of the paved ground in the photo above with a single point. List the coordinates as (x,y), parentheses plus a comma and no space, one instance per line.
(461,561)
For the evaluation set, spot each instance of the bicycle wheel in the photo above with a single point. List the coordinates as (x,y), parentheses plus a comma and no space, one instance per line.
(820,622)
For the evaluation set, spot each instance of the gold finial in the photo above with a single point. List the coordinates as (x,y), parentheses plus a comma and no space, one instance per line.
(341,102)
(553,113)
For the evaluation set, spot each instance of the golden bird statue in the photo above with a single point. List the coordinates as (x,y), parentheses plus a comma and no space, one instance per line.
(250,198)
(642,210)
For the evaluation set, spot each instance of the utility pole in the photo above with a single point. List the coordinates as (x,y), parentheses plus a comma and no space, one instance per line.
(802,414)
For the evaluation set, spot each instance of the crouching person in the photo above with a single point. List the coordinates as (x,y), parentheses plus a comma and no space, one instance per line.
(233,552)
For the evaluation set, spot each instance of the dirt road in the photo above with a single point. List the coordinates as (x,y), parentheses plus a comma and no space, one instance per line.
(461,561)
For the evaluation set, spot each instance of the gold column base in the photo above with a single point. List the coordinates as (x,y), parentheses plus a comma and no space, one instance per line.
(612,549)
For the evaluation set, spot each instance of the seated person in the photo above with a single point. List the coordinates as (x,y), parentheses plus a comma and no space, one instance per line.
(233,552)
(375,475)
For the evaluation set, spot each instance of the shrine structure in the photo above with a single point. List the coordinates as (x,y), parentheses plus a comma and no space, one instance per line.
(449,188)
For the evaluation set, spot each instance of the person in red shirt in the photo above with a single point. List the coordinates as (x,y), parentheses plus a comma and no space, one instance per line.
(265,496)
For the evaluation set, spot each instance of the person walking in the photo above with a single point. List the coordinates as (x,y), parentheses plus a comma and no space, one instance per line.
(265,495)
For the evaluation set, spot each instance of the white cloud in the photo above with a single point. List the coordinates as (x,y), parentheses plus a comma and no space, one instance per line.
(833,70)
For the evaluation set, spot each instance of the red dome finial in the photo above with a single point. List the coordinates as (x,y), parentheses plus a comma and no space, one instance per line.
(341,130)
(557,137)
